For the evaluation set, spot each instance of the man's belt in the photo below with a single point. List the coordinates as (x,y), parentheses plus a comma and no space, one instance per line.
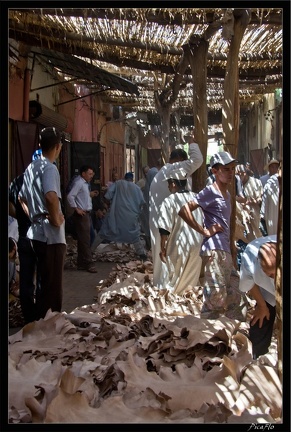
(39,216)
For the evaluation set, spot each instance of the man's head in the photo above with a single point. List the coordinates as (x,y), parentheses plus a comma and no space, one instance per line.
(273,166)
(176,178)
(223,167)
(242,171)
(100,210)
(129,176)
(267,258)
(159,163)
(114,176)
(249,170)
(178,155)
(145,170)
(87,172)
(50,138)
(175,185)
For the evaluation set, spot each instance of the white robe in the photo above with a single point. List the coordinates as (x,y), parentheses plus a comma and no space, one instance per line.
(121,222)
(253,189)
(158,192)
(183,244)
(270,204)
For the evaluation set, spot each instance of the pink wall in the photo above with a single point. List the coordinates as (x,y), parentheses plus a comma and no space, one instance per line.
(16,97)
(85,118)
(68,109)
(78,113)
(82,122)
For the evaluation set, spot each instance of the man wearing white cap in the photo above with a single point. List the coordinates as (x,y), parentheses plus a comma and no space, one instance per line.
(221,295)
(180,244)
(272,167)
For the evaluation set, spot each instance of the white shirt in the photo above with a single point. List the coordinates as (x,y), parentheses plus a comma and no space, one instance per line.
(79,195)
(251,272)
(270,204)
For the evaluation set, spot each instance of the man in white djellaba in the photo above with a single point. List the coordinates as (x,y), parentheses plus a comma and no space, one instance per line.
(270,204)
(158,192)
(180,244)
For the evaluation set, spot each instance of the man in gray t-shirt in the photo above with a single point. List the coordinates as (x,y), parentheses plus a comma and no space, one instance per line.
(40,197)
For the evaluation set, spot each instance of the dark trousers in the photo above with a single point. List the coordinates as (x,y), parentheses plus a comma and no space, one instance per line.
(50,266)
(261,337)
(82,226)
(27,278)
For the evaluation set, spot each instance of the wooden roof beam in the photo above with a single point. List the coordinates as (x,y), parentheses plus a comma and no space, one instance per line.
(213,71)
(162,16)
(56,32)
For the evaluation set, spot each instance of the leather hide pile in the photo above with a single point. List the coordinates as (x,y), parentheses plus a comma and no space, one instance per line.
(139,355)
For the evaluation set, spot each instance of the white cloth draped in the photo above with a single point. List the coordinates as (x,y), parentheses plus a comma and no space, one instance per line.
(158,192)
(183,244)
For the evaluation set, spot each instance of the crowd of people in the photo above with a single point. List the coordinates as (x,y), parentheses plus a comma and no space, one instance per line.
(187,234)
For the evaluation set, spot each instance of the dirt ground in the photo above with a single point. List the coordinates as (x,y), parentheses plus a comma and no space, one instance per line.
(79,287)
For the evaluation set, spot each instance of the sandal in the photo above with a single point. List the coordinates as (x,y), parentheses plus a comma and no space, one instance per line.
(92,270)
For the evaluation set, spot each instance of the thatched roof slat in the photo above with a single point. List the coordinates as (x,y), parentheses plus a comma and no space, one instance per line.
(202,16)
(139,43)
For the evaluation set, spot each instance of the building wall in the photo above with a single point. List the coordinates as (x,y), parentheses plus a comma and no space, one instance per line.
(16,93)
(89,120)
(112,140)
(262,128)
(40,80)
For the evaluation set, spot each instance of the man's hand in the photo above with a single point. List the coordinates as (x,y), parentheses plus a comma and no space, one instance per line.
(80,211)
(94,193)
(213,229)
(55,216)
(56,221)
(261,311)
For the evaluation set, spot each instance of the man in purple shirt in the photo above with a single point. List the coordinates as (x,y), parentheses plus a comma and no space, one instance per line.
(221,295)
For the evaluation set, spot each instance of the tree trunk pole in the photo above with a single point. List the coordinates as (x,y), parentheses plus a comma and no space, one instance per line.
(279,282)
(231,108)
(198,62)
